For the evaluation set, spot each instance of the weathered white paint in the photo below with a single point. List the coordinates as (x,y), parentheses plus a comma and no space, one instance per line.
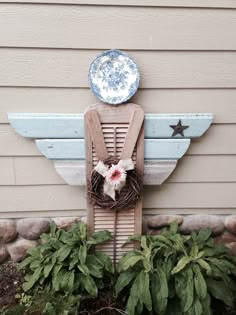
(72,125)
(155,172)
(73,149)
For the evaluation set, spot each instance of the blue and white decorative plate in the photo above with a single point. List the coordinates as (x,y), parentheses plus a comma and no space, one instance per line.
(114,77)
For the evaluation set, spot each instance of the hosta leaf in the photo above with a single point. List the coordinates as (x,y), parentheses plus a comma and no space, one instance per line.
(89,285)
(63,253)
(82,253)
(144,290)
(131,261)
(196,308)
(206,305)
(100,237)
(48,268)
(122,263)
(187,299)
(84,269)
(199,283)
(204,265)
(105,261)
(57,279)
(160,290)
(33,279)
(182,263)
(70,284)
(27,261)
(131,305)
(83,230)
(174,227)
(219,290)
(203,235)
(123,280)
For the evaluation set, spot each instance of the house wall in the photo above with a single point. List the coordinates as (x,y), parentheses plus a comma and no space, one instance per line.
(186,54)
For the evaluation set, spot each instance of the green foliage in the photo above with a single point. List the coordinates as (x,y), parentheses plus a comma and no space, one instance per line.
(172,274)
(64,266)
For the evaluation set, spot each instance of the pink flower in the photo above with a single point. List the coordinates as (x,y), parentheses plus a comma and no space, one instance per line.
(116,176)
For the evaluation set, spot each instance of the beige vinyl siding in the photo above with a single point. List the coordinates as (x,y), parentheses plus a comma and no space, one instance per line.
(186,52)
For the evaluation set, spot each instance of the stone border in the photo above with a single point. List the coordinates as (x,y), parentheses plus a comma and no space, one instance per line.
(18,235)
(223,226)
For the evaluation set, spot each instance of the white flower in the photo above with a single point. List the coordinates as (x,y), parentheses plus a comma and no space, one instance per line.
(116,175)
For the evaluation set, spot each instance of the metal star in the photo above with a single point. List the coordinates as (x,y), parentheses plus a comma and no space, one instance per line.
(178,129)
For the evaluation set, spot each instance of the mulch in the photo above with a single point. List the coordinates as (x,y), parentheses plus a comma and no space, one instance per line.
(11,280)
(10,283)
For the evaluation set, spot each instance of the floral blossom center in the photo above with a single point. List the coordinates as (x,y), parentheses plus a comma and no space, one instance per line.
(116,175)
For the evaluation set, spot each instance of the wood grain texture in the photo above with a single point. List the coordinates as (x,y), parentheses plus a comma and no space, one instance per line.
(159,69)
(71,126)
(57,26)
(40,171)
(221,102)
(142,3)
(170,195)
(74,149)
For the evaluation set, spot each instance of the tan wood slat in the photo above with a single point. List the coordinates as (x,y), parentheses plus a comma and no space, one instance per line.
(136,3)
(130,27)
(171,195)
(221,102)
(147,212)
(161,69)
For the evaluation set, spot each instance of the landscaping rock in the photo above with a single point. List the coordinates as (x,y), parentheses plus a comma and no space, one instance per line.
(196,222)
(32,228)
(65,223)
(155,232)
(225,238)
(158,221)
(230,223)
(232,248)
(18,249)
(3,254)
(7,230)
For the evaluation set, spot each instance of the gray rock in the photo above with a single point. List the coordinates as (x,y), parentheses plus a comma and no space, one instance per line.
(196,222)
(7,230)
(32,228)
(18,249)
(232,248)
(161,220)
(230,223)
(155,232)
(65,223)
(225,238)
(3,254)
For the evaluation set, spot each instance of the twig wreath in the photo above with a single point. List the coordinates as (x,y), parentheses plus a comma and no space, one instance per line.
(115,184)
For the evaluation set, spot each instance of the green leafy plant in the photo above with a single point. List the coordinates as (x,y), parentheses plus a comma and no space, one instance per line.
(172,274)
(64,265)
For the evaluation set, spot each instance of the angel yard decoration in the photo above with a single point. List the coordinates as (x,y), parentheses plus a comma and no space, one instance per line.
(114,148)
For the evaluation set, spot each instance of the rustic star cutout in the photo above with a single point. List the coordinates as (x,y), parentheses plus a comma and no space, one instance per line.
(178,129)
